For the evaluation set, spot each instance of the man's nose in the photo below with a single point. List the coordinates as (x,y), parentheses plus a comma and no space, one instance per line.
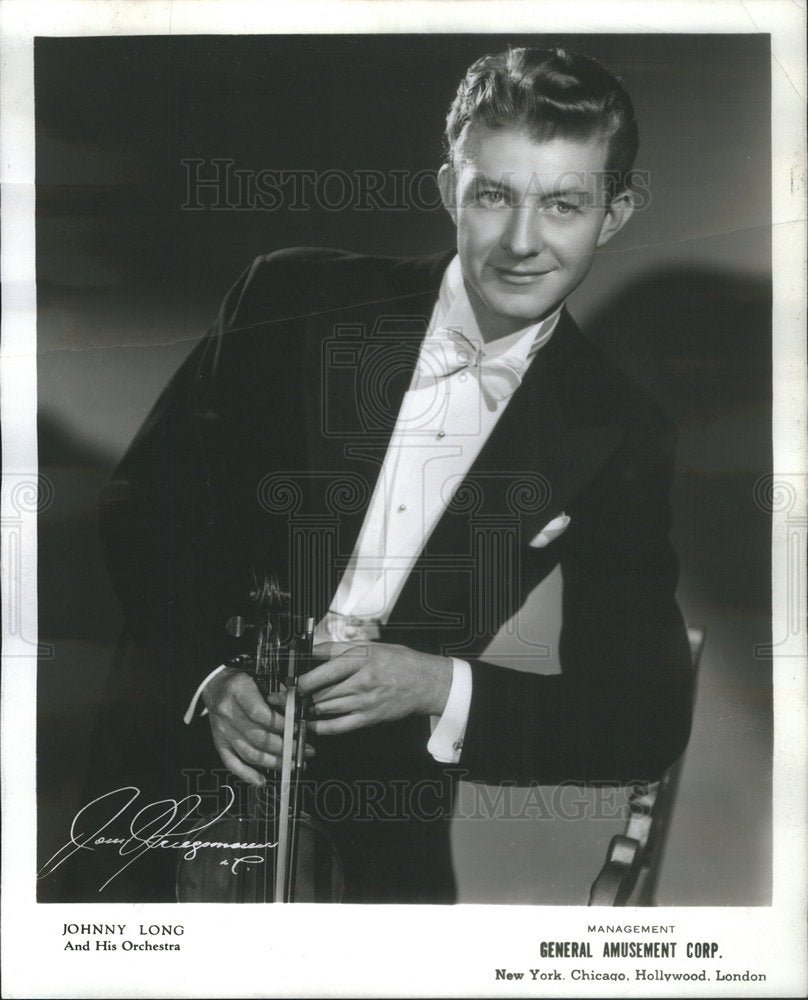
(523,236)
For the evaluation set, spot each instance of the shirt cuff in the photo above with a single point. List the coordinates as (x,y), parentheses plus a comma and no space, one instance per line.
(448,730)
(188,718)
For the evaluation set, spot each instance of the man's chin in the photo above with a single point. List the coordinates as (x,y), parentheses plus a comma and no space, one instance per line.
(519,311)
(505,310)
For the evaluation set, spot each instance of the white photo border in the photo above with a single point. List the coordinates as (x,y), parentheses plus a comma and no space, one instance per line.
(410,952)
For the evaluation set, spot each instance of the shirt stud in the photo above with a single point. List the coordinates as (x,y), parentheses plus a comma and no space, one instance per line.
(402,506)
(441,434)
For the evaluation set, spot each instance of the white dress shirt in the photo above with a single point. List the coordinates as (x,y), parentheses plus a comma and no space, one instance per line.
(461,386)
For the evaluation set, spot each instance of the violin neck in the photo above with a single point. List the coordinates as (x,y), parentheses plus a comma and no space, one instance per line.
(282,663)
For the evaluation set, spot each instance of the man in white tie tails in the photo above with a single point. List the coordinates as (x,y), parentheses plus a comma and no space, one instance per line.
(491,443)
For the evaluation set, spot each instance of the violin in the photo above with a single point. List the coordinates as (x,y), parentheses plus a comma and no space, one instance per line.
(270,851)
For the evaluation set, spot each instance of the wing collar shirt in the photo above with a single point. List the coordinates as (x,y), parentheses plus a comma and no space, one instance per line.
(460,388)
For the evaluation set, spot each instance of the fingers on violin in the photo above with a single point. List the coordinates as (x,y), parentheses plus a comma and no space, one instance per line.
(277,699)
(242,686)
(334,671)
(230,724)
(328,650)
(239,768)
(251,704)
(270,743)
(342,724)
(259,739)
(251,754)
(336,701)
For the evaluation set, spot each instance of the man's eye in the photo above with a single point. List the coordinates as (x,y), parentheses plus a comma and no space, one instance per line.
(564,208)
(491,197)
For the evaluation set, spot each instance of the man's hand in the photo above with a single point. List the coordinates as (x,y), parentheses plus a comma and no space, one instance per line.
(246,730)
(366,683)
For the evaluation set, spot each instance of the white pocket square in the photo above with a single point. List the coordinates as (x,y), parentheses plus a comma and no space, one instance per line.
(550,531)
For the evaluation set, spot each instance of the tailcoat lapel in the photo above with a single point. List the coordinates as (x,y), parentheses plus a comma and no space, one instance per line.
(549,443)
(362,362)
(476,569)
(547,446)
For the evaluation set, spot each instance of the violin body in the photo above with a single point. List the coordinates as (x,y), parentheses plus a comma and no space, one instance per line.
(272,851)
(244,874)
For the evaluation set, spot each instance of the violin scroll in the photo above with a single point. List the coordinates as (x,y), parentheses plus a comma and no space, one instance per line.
(290,857)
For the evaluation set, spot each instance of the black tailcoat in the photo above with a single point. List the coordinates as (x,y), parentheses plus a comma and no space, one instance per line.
(263,452)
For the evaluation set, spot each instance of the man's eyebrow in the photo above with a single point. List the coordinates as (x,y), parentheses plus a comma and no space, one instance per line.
(503,181)
(562,192)
(479,177)
(570,185)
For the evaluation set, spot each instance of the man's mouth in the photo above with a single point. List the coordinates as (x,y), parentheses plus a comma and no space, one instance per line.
(519,277)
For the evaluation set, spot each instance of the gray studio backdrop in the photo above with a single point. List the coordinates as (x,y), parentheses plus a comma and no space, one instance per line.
(134,255)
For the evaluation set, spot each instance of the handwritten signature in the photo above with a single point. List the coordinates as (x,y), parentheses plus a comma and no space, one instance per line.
(158,825)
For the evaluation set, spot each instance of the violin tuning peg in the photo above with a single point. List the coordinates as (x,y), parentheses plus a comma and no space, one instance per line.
(237,626)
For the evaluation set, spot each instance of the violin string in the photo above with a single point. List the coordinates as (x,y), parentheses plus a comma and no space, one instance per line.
(275,786)
(297,768)
(305,644)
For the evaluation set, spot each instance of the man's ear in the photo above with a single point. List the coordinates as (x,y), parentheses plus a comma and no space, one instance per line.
(448,190)
(620,210)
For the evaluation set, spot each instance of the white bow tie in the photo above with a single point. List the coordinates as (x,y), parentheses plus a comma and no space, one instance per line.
(451,352)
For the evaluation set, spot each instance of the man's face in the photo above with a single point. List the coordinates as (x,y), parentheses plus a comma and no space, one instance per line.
(529,216)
